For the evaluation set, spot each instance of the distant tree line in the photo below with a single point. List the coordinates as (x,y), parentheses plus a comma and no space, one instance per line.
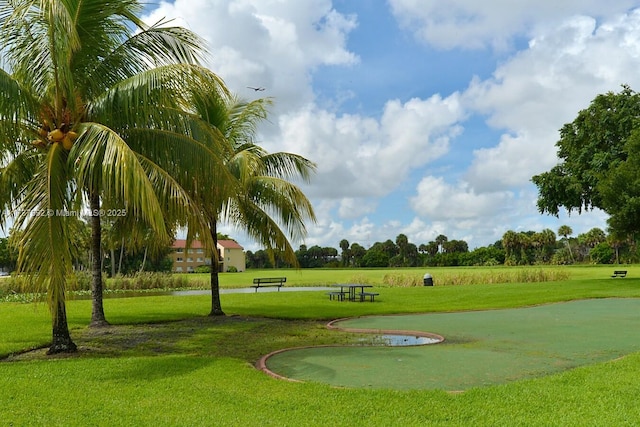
(515,248)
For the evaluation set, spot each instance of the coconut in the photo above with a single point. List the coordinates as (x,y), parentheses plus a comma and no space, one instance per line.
(67,142)
(56,135)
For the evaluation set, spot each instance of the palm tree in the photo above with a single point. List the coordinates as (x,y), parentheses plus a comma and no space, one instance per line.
(441,240)
(565,231)
(346,255)
(81,95)
(510,242)
(263,201)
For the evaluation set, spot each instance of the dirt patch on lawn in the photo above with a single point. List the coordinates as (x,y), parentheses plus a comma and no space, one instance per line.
(224,336)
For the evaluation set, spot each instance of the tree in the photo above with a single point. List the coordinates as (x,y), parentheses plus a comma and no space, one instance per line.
(346,253)
(375,257)
(259,196)
(591,239)
(441,240)
(565,231)
(511,243)
(589,148)
(82,94)
(620,189)
(7,254)
(544,244)
(357,254)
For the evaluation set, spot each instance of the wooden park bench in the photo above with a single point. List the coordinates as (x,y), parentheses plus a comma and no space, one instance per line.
(364,295)
(619,273)
(264,282)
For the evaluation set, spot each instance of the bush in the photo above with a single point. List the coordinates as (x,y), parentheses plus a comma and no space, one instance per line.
(602,254)
(203,269)
(232,269)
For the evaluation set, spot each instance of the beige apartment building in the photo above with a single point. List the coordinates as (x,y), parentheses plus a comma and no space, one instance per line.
(185,260)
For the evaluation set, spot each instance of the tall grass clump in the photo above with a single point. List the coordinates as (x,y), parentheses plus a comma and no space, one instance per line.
(361,279)
(524,275)
(146,281)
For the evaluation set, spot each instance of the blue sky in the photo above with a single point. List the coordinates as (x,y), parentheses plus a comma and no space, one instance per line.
(424,117)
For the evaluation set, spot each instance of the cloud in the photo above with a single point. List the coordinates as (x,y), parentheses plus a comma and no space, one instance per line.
(270,43)
(474,24)
(533,94)
(438,201)
(360,156)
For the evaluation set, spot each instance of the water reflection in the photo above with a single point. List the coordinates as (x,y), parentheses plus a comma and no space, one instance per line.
(397,340)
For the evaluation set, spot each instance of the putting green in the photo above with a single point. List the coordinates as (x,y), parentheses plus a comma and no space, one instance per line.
(480,348)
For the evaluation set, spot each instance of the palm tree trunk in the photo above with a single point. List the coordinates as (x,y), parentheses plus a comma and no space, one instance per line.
(113,262)
(216,306)
(144,260)
(97,308)
(61,342)
(121,254)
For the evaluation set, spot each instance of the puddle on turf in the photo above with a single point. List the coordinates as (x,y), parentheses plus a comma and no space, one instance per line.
(398,340)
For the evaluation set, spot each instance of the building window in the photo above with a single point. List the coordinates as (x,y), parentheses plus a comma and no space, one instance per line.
(179,259)
(179,269)
(200,251)
(189,259)
(199,259)
(179,250)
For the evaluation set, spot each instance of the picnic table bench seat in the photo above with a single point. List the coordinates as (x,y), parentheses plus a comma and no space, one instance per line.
(264,282)
(619,273)
(364,295)
(339,295)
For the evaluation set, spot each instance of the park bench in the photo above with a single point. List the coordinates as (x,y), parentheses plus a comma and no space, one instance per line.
(364,295)
(263,282)
(619,273)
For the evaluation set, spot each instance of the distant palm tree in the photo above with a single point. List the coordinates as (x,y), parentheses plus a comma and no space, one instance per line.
(81,95)
(263,201)
(566,231)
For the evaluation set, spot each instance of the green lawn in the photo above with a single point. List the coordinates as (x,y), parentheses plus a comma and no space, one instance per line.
(166,363)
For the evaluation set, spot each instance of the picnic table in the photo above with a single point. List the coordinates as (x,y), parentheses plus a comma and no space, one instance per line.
(350,291)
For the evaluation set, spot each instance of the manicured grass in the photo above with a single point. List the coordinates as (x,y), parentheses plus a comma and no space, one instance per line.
(166,363)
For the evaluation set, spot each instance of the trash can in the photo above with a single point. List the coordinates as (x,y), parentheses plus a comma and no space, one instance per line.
(428,280)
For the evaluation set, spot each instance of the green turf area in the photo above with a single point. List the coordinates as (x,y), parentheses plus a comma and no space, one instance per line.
(480,348)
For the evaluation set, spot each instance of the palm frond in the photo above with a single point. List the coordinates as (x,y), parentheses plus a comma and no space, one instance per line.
(288,166)
(45,255)
(19,116)
(107,165)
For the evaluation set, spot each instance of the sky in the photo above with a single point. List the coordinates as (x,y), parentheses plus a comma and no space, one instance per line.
(424,117)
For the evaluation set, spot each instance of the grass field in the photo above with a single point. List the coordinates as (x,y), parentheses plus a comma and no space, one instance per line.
(164,363)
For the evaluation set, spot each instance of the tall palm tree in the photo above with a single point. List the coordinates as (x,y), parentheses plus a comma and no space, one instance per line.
(565,231)
(81,94)
(263,202)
